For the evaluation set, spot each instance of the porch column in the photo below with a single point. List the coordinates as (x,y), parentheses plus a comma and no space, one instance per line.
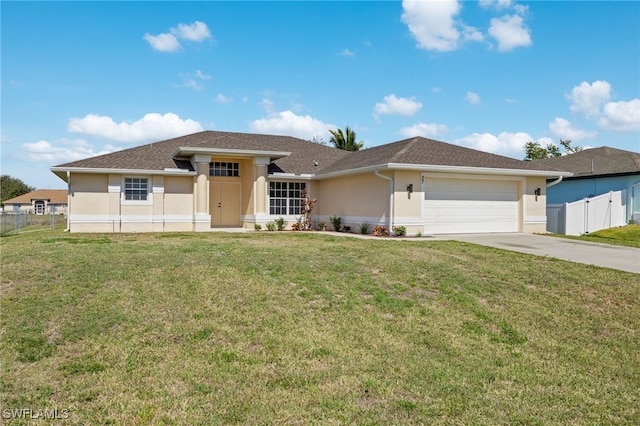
(260,187)
(202,219)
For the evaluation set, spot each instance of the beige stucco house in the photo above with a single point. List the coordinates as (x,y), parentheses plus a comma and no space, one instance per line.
(212,179)
(40,201)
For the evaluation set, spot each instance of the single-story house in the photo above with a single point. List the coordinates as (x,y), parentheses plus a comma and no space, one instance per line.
(213,179)
(597,171)
(40,201)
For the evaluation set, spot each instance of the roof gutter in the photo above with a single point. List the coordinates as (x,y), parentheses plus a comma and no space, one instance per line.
(555,182)
(442,168)
(61,171)
(390,179)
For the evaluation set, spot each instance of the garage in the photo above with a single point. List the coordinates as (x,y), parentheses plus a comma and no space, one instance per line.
(458,206)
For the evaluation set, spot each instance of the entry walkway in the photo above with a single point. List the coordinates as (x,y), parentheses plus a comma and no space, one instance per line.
(608,256)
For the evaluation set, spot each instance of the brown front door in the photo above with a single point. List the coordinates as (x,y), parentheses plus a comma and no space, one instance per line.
(225,204)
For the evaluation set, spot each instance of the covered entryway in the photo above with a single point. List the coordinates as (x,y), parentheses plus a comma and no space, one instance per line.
(224,203)
(453,206)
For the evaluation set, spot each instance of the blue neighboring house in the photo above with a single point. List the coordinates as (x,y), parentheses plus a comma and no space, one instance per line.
(597,171)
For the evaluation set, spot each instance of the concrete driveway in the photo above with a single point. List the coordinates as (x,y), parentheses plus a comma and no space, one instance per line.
(608,256)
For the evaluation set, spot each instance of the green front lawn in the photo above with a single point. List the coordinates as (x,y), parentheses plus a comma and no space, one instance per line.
(628,235)
(304,328)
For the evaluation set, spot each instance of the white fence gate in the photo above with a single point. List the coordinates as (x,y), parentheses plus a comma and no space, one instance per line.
(588,215)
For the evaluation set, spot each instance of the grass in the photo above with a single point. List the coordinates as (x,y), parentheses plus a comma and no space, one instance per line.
(628,236)
(304,328)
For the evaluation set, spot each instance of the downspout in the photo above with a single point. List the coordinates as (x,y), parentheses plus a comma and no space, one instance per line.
(555,182)
(68,202)
(390,179)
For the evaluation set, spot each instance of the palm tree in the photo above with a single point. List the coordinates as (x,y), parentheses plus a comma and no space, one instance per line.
(346,140)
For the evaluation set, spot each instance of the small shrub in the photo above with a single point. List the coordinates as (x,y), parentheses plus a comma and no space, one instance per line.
(322,226)
(296,226)
(271,226)
(308,205)
(281,223)
(336,222)
(400,231)
(364,228)
(380,231)
(257,227)
(418,234)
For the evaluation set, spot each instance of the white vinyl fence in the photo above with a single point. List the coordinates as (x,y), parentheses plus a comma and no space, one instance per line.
(588,215)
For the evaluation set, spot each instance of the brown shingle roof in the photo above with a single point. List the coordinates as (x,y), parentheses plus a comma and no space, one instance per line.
(306,157)
(53,196)
(422,151)
(605,161)
(159,155)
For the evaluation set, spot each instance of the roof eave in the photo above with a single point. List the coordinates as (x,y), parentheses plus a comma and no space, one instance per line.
(448,169)
(61,172)
(186,151)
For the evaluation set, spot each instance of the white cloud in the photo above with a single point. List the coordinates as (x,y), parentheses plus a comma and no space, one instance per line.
(427,130)
(202,76)
(508,144)
(621,116)
(67,150)
(288,123)
(472,98)
(347,52)
(563,129)
(267,105)
(168,42)
(510,32)
(191,80)
(222,99)
(197,31)
(151,126)
(432,23)
(497,4)
(471,33)
(393,105)
(588,98)
(163,42)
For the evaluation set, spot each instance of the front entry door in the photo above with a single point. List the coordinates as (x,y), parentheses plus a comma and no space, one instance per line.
(225,204)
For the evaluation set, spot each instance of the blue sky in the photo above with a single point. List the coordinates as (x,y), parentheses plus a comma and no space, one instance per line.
(84,78)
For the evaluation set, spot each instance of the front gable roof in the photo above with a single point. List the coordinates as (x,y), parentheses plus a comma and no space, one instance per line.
(603,161)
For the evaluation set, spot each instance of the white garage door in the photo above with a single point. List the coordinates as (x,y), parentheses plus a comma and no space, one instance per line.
(457,206)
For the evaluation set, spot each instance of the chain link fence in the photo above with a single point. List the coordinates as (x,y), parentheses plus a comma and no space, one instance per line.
(16,222)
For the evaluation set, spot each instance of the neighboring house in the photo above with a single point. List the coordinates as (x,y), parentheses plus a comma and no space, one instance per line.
(40,201)
(598,171)
(213,179)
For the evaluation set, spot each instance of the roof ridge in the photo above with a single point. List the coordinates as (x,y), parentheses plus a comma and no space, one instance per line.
(408,144)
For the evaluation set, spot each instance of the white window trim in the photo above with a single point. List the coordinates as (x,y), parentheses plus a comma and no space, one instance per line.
(288,182)
(147,202)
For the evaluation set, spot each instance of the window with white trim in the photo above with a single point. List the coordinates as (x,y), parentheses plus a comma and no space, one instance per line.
(222,168)
(136,189)
(285,198)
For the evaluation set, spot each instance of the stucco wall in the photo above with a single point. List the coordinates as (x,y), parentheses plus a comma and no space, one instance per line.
(356,199)
(97,206)
(533,207)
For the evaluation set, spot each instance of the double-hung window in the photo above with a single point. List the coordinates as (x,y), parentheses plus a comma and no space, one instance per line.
(136,189)
(285,198)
